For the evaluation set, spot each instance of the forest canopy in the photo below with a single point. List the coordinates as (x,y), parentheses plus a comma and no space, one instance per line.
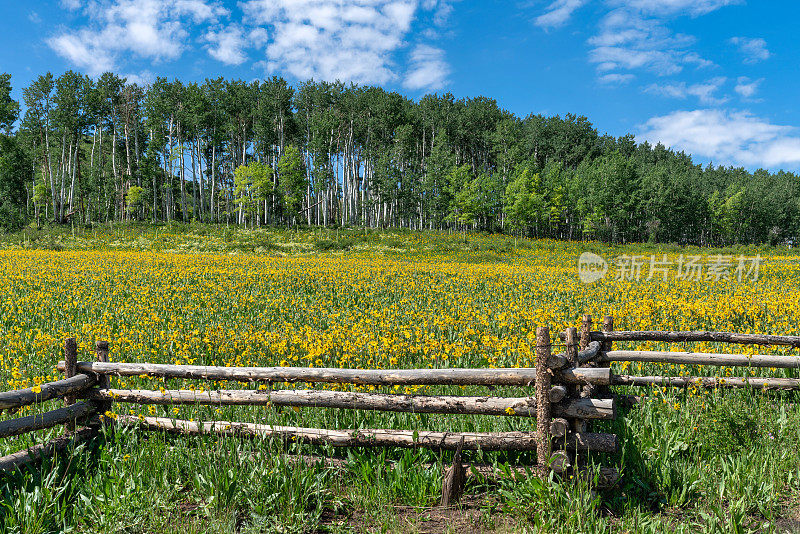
(266,153)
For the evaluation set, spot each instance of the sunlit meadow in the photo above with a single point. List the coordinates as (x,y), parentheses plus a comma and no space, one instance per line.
(386,300)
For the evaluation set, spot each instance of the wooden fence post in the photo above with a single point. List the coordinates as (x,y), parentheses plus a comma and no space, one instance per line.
(543,408)
(608,326)
(571,339)
(70,368)
(103,381)
(586,328)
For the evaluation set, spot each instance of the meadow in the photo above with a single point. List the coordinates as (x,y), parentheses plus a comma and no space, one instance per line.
(691,460)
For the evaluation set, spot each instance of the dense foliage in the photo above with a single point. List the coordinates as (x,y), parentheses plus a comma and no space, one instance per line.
(330,154)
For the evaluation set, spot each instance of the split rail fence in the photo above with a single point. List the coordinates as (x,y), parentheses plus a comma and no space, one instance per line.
(570,391)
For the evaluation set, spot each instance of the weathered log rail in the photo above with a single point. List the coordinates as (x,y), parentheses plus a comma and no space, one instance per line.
(32,423)
(441,404)
(556,379)
(707,382)
(694,336)
(567,393)
(487,441)
(11,400)
(699,358)
(70,415)
(763,361)
(365,377)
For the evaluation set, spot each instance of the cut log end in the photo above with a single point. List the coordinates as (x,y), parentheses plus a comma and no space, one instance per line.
(560,462)
(559,427)
(557,394)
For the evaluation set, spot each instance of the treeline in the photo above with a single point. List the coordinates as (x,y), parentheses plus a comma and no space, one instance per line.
(98,150)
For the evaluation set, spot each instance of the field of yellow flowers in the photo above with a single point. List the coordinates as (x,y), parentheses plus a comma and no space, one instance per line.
(371,300)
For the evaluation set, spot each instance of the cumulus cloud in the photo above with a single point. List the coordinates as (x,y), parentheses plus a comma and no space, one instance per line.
(726,137)
(634,35)
(152,29)
(428,69)
(353,40)
(747,88)
(227,45)
(629,40)
(753,49)
(705,92)
(360,41)
(558,13)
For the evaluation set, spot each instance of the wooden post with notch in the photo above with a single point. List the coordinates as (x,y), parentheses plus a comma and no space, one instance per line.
(101,351)
(543,408)
(454,478)
(70,368)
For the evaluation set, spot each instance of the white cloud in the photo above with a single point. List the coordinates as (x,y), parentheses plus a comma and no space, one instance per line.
(34,17)
(227,45)
(726,137)
(705,92)
(634,35)
(352,40)
(746,87)
(259,37)
(673,7)
(558,13)
(428,69)
(85,50)
(753,49)
(142,78)
(616,78)
(627,40)
(441,9)
(349,40)
(152,29)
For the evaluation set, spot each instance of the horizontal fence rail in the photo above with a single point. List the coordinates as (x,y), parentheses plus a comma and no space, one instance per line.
(487,441)
(51,390)
(589,353)
(443,404)
(373,377)
(707,381)
(61,443)
(698,358)
(68,414)
(694,336)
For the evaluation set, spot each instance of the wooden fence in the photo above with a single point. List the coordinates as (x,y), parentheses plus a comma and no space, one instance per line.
(570,391)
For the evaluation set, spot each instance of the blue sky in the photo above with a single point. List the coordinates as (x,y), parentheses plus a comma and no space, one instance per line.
(716,78)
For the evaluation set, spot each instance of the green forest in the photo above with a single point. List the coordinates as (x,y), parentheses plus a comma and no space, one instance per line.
(265,153)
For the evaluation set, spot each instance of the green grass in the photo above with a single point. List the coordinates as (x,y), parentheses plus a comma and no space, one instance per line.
(720,461)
